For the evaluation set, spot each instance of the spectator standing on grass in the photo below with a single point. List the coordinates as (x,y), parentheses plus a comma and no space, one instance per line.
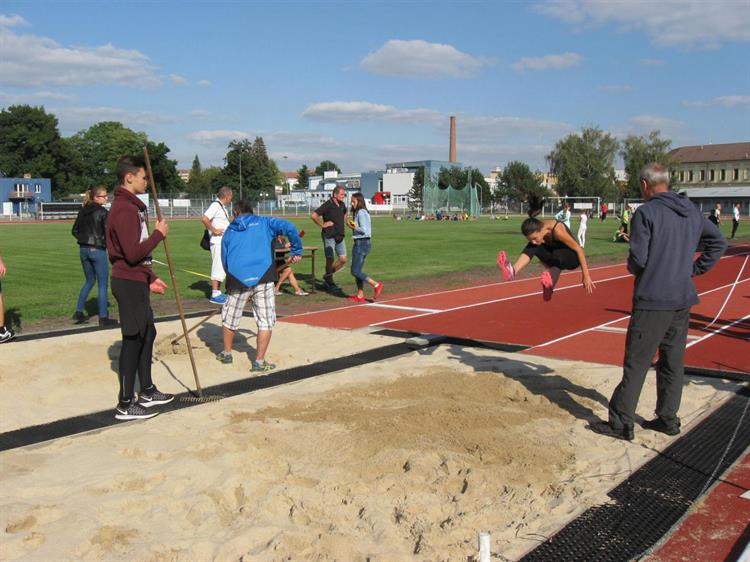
(330,217)
(564,215)
(665,233)
(89,231)
(129,245)
(283,268)
(248,258)
(604,210)
(715,215)
(735,219)
(582,228)
(362,235)
(216,220)
(6,334)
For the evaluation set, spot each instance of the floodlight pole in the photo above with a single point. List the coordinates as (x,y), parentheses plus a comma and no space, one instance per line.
(157,207)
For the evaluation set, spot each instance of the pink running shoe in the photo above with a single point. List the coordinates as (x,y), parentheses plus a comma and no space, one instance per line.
(378,289)
(355,298)
(505,267)
(547,285)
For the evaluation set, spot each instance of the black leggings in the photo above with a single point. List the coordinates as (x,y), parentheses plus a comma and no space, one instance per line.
(135,358)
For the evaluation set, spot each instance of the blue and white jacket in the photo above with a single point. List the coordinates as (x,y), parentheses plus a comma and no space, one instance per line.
(246,247)
(364,225)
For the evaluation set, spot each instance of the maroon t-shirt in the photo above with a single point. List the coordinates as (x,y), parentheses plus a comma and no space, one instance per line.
(129,244)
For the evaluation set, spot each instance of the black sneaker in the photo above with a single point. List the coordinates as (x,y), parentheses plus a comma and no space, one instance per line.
(133,412)
(657,424)
(79,317)
(154,398)
(6,334)
(108,322)
(603,428)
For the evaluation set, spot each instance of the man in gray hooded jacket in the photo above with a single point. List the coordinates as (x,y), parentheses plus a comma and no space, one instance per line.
(665,233)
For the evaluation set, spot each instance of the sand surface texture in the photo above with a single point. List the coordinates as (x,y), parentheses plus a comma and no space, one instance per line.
(407,458)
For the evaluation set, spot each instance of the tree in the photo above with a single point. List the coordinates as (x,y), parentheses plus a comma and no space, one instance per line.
(584,164)
(518,182)
(326,166)
(637,152)
(303,177)
(30,143)
(452,176)
(260,174)
(417,190)
(103,144)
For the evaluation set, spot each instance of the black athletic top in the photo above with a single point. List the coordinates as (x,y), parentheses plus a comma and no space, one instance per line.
(331,211)
(554,253)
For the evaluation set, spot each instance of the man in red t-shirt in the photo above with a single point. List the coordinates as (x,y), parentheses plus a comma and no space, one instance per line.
(604,208)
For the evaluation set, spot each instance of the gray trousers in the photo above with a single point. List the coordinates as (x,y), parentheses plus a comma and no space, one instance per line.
(649,330)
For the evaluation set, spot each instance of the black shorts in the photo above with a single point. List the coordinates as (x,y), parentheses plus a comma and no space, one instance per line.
(555,255)
(134,303)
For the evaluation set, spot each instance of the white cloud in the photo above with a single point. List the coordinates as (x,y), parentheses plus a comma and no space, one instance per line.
(32,97)
(615,88)
(30,60)
(678,131)
(75,118)
(351,111)
(221,136)
(669,23)
(548,62)
(200,113)
(420,59)
(652,62)
(178,80)
(12,21)
(721,101)
(203,82)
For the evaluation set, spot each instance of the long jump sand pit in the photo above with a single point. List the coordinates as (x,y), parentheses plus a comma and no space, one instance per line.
(408,458)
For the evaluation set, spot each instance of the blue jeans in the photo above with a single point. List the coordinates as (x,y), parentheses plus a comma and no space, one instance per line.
(95,269)
(362,247)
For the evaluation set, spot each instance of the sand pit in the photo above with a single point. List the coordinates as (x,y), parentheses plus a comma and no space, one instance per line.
(404,459)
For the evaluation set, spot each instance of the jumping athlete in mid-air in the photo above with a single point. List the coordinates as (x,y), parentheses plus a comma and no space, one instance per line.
(553,244)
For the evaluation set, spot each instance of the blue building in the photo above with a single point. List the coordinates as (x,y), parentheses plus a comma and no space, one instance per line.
(21,196)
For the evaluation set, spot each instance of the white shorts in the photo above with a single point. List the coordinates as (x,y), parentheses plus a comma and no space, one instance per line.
(217,269)
(263,303)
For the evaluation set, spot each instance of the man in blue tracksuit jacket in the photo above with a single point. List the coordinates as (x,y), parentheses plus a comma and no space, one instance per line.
(247,256)
(665,233)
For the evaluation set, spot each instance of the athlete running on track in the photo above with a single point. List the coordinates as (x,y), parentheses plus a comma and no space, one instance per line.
(553,244)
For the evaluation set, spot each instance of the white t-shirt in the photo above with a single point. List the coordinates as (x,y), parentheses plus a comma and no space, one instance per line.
(736,213)
(217,214)
(584,220)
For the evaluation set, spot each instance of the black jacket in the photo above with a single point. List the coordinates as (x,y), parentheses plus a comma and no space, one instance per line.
(89,226)
(665,233)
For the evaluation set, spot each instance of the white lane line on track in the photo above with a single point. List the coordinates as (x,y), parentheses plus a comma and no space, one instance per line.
(395,306)
(578,333)
(460,289)
(726,300)
(718,330)
(617,330)
(493,301)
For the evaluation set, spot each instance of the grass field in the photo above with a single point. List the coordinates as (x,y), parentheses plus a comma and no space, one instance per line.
(45,275)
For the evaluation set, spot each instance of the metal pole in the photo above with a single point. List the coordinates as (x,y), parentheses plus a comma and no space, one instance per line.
(240,153)
(157,207)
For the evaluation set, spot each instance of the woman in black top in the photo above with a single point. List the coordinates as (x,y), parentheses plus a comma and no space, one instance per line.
(89,232)
(553,244)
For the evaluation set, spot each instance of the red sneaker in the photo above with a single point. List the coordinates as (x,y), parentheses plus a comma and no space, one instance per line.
(547,285)
(505,267)
(355,298)
(378,290)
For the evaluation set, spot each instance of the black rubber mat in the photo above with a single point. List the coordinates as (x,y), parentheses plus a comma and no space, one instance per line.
(655,497)
(98,420)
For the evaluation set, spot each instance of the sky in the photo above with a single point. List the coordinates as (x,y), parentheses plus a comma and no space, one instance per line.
(367,83)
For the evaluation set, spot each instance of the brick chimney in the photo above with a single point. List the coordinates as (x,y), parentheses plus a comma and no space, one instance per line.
(452,150)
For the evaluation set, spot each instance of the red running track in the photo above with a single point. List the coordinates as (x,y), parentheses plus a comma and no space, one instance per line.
(573,325)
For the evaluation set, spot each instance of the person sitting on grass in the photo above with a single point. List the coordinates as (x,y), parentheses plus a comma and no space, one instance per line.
(280,246)
(553,244)
(6,334)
